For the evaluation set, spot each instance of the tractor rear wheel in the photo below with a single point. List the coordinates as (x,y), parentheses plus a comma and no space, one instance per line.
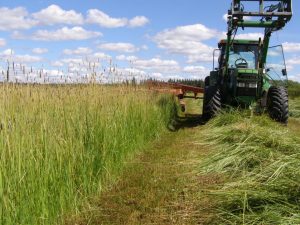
(206,81)
(211,102)
(278,104)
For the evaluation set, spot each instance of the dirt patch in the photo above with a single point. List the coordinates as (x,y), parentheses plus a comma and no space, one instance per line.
(161,186)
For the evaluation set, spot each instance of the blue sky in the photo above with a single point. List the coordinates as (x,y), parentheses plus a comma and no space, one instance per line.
(69,40)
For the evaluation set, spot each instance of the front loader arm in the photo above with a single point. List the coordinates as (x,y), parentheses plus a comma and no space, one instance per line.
(273,18)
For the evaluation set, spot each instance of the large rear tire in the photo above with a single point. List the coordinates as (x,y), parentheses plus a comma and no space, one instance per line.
(206,81)
(211,102)
(278,104)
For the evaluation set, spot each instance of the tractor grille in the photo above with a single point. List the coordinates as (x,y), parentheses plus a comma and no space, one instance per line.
(246,91)
(247,85)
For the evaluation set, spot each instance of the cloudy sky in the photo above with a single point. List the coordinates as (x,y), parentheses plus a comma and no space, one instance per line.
(162,39)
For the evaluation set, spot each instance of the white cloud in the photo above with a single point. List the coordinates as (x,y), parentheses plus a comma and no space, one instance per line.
(55,15)
(83,62)
(101,56)
(57,64)
(72,60)
(225,17)
(131,71)
(40,50)
(19,18)
(53,73)
(78,51)
(295,77)
(9,54)
(131,58)
(157,65)
(145,47)
(15,19)
(156,75)
(186,40)
(27,58)
(247,36)
(73,64)
(121,57)
(273,53)
(96,16)
(197,32)
(64,34)
(250,36)
(201,70)
(2,42)
(204,53)
(18,35)
(119,47)
(126,58)
(291,47)
(77,69)
(138,21)
(291,63)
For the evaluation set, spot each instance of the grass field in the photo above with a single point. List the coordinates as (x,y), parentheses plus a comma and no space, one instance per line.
(295,108)
(62,144)
(259,161)
(161,185)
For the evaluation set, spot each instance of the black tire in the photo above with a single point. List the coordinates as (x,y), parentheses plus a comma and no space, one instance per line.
(206,81)
(212,104)
(278,104)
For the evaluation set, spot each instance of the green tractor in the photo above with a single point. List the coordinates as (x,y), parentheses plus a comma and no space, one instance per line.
(250,72)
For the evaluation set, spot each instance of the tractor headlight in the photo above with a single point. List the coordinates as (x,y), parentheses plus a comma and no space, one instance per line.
(241,85)
(252,85)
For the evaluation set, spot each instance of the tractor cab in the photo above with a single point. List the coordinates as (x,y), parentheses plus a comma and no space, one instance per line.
(241,74)
(243,54)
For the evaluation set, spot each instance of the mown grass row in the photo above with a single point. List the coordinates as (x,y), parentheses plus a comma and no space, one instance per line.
(259,162)
(295,108)
(61,144)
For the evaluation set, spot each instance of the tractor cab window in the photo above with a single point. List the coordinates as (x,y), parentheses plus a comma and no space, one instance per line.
(275,66)
(243,56)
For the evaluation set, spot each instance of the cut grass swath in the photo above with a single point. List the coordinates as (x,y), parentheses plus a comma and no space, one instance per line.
(260,161)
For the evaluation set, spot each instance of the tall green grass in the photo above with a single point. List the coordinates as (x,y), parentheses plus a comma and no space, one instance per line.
(294,89)
(61,144)
(259,162)
(295,108)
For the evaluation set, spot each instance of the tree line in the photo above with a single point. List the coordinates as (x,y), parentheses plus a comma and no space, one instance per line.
(191,82)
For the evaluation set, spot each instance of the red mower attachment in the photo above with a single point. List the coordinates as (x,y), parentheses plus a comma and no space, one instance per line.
(177,89)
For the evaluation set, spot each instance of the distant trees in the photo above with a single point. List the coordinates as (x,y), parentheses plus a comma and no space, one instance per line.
(191,82)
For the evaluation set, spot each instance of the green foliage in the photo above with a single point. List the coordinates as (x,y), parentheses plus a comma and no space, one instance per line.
(61,144)
(294,89)
(259,160)
(191,82)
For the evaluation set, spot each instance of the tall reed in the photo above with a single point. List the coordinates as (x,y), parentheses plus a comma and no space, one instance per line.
(61,144)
